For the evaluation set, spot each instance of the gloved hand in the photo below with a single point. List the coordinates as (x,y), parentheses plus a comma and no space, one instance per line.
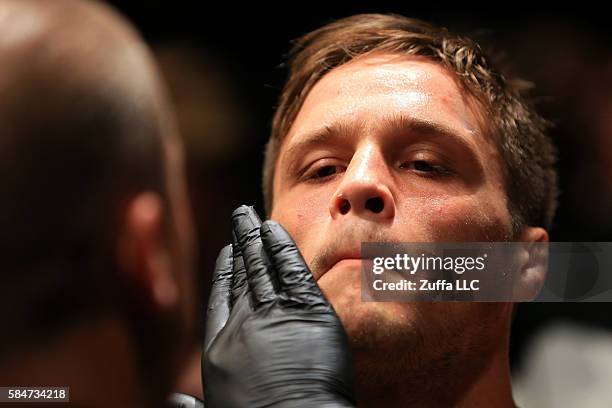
(272,339)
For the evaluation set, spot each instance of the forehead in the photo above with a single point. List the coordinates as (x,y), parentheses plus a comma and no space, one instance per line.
(370,88)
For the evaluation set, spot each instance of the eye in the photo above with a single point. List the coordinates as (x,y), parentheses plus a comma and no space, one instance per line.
(326,171)
(320,173)
(425,167)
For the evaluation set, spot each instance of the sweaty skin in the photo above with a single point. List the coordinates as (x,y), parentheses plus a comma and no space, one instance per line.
(390,148)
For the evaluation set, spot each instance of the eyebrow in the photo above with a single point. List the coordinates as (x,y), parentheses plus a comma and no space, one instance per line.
(403,124)
(326,135)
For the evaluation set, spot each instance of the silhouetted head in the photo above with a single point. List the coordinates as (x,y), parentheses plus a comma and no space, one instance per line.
(94,217)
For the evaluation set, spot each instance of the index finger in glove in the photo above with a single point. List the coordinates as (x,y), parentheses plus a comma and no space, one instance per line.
(294,276)
(260,274)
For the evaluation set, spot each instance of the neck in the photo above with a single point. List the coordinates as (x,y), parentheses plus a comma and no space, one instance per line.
(492,387)
(465,377)
(96,360)
(489,387)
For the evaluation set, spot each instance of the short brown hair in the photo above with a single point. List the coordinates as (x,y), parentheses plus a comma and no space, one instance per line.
(517,130)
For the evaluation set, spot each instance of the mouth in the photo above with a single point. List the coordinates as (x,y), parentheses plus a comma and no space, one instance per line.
(344,255)
(345,258)
(346,261)
(338,264)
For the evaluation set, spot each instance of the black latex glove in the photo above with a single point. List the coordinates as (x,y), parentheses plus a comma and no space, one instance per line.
(272,339)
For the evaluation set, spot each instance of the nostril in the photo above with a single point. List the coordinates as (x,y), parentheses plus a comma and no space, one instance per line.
(345,207)
(375,204)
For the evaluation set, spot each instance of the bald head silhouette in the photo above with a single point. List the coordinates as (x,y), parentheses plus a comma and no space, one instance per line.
(95,229)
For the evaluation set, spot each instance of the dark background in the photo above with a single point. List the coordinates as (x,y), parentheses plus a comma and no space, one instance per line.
(223,62)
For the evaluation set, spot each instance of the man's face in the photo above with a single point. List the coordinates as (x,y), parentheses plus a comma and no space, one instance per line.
(388,148)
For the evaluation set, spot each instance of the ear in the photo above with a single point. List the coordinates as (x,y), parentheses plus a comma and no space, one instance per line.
(532,263)
(144,257)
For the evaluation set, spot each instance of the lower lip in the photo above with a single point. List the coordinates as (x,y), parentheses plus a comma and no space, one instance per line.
(347,262)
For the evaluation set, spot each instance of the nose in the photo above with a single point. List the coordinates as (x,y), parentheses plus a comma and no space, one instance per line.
(364,190)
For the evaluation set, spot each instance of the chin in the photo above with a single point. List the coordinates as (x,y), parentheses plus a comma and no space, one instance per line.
(366,323)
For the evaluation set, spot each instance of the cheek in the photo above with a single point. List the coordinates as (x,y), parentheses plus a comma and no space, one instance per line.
(473,220)
(303,214)
(456,218)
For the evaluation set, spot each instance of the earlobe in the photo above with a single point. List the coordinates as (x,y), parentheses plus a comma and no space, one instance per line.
(143,253)
(534,234)
(532,258)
